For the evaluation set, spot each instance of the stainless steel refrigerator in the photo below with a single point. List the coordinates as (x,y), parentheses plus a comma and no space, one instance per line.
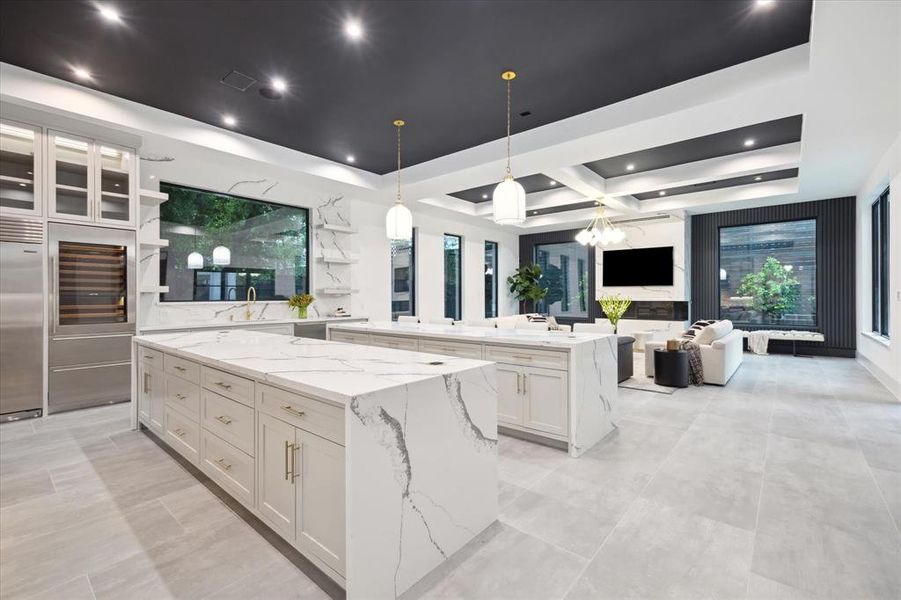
(92,315)
(21,318)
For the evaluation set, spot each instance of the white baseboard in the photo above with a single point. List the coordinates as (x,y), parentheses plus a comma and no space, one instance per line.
(890,383)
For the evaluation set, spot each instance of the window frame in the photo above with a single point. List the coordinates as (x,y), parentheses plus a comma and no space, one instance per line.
(537,259)
(748,325)
(458,316)
(308,226)
(880,258)
(412,268)
(494,282)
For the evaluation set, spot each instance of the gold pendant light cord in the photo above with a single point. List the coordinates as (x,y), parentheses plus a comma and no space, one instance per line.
(398,123)
(508,126)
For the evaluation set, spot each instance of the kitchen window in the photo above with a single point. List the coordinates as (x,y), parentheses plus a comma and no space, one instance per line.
(491,274)
(403,277)
(564,275)
(880,264)
(220,245)
(453,276)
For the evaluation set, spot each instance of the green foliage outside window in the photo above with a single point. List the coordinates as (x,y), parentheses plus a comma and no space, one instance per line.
(773,290)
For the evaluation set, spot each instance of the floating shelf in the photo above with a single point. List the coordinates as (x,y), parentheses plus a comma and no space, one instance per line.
(337,228)
(151,198)
(153,244)
(336,291)
(155,289)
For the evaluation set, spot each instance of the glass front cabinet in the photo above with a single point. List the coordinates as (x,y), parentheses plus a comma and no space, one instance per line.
(20,169)
(90,181)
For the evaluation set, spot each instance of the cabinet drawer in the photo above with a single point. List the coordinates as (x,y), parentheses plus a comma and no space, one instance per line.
(227,466)
(458,349)
(183,395)
(230,420)
(152,358)
(398,343)
(528,357)
(348,337)
(306,413)
(185,369)
(231,386)
(183,434)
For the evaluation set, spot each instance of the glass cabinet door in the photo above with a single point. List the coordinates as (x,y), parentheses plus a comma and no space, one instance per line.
(20,161)
(93,284)
(71,177)
(115,176)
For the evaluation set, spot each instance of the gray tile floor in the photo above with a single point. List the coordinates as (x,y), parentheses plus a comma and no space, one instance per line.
(785,484)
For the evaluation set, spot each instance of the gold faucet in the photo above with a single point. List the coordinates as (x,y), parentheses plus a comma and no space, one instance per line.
(251,300)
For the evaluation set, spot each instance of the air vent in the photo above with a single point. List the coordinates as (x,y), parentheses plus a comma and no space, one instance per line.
(641,219)
(26,231)
(238,81)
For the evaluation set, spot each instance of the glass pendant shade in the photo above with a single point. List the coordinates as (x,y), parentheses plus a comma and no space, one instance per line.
(222,256)
(509,202)
(399,223)
(195,260)
(583,237)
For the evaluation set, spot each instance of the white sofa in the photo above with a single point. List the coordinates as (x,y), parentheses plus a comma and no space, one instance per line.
(721,352)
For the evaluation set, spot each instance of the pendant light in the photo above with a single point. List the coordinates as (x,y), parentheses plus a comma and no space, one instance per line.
(509,199)
(399,220)
(600,230)
(195,258)
(222,256)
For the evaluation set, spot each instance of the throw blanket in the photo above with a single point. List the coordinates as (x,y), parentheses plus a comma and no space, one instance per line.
(695,367)
(758,341)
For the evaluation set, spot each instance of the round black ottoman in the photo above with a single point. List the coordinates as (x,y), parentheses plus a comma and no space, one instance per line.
(671,368)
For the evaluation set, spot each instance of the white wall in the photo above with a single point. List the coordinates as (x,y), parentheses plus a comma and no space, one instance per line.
(882,357)
(373,275)
(673,233)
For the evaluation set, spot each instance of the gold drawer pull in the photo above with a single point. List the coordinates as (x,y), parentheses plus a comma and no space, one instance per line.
(289,451)
(224,419)
(148,357)
(291,410)
(181,396)
(221,462)
(223,384)
(180,432)
(178,368)
(521,357)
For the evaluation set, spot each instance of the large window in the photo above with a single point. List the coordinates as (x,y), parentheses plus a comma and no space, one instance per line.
(564,275)
(768,274)
(453,280)
(880,254)
(490,280)
(403,277)
(267,247)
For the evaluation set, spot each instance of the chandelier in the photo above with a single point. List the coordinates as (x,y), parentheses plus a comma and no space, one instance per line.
(600,230)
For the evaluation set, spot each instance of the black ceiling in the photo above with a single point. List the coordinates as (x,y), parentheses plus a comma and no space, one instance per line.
(770,133)
(530,183)
(435,64)
(720,184)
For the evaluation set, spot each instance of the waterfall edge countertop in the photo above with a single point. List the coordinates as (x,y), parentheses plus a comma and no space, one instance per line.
(330,370)
(484,335)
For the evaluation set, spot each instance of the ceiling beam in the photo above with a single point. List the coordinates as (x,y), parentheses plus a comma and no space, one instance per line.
(585,181)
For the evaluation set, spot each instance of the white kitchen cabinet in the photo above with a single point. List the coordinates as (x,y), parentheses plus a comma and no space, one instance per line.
(276,490)
(151,396)
(90,181)
(545,394)
(21,169)
(509,395)
(319,473)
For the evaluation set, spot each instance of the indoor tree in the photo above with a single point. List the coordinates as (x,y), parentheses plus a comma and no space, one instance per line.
(773,290)
(525,286)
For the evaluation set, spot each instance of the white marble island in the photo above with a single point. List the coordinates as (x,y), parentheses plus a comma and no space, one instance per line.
(553,385)
(377,464)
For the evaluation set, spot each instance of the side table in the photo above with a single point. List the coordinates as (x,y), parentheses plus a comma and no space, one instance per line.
(671,368)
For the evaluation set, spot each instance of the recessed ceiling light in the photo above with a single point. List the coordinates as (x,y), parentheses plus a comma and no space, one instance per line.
(351,158)
(765,3)
(484,196)
(662,193)
(229,120)
(749,142)
(81,73)
(552,182)
(279,84)
(109,13)
(630,167)
(353,29)
(758,178)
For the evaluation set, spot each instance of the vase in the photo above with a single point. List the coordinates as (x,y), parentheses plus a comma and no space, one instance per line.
(302,312)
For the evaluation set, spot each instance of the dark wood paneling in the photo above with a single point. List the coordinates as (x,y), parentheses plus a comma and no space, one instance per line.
(836,300)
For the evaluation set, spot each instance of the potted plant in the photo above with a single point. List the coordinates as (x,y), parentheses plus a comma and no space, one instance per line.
(525,287)
(301,302)
(614,307)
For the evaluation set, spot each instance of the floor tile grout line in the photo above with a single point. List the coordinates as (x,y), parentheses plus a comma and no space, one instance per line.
(766,453)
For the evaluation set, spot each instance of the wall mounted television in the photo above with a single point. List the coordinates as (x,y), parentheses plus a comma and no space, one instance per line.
(640,266)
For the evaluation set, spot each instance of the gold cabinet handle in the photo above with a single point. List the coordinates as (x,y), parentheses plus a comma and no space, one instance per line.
(148,357)
(525,378)
(146,383)
(224,385)
(522,357)
(221,462)
(291,410)
(178,368)
(518,383)
(180,396)
(224,419)
(180,432)
(294,473)
(289,448)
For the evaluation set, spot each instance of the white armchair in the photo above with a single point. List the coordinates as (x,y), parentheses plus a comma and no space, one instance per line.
(721,352)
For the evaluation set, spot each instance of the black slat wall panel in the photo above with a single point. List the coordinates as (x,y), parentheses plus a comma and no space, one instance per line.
(836,300)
